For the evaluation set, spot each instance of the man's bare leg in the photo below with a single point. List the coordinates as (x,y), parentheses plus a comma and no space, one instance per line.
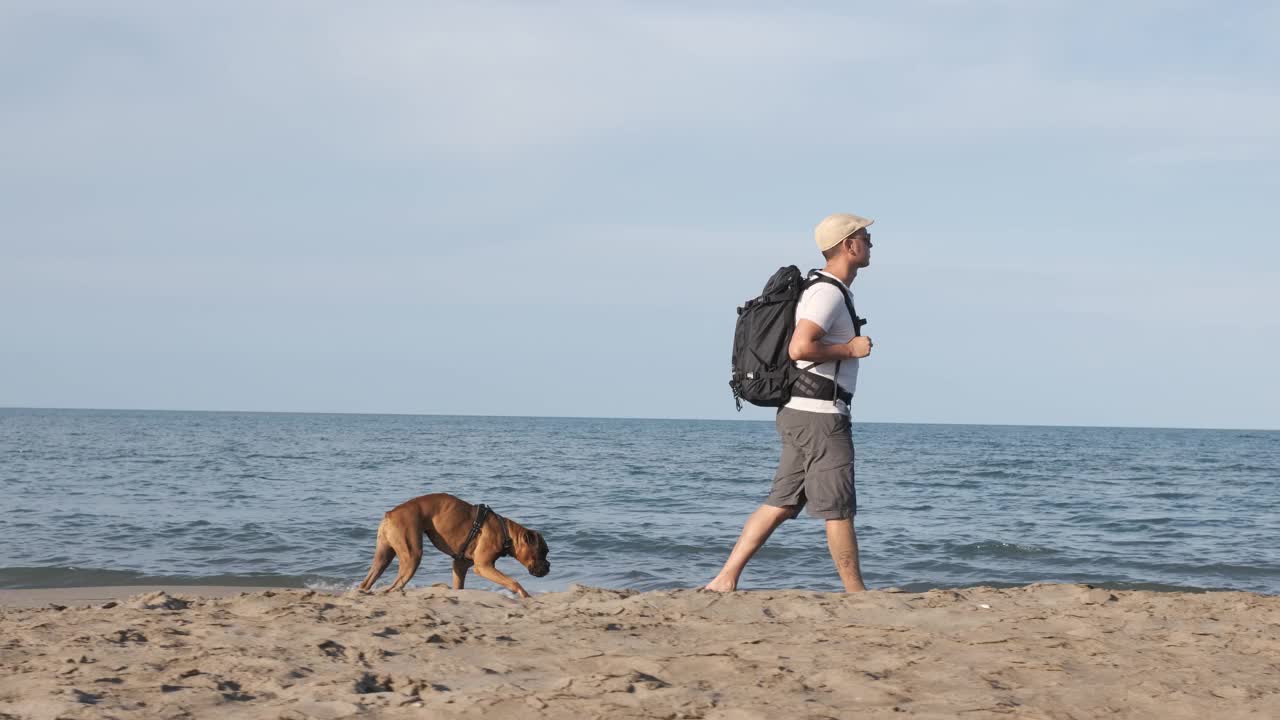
(843,542)
(757,529)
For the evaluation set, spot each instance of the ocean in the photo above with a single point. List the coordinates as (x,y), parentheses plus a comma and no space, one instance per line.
(103,497)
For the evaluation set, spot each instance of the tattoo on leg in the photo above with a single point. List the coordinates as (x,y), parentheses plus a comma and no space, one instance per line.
(845,560)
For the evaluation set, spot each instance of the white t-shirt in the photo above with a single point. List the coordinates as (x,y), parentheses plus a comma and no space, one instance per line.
(823,305)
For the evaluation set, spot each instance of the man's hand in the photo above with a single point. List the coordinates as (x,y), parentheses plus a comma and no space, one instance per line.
(859,347)
(806,344)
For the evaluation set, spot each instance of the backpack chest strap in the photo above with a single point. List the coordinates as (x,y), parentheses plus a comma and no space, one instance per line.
(815,386)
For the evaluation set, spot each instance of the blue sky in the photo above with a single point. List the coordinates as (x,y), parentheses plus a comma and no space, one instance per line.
(553,209)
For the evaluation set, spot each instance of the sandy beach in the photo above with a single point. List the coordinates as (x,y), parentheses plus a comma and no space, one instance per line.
(1043,651)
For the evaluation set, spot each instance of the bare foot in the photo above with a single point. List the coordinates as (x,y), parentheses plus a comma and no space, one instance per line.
(720,584)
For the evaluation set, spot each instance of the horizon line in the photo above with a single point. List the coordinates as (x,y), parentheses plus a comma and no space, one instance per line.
(593,417)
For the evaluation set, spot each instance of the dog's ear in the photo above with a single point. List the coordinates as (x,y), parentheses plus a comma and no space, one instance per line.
(530,537)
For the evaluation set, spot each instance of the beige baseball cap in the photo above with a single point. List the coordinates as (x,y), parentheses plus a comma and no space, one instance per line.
(835,228)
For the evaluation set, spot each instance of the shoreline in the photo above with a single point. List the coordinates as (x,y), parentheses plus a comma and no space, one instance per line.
(98,594)
(1045,651)
(87,595)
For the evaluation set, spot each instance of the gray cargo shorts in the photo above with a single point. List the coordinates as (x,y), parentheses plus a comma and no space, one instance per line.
(816,469)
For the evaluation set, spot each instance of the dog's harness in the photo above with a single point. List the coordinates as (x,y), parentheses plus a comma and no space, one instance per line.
(482,513)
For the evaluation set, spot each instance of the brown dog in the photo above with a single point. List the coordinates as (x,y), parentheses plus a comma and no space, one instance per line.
(448,522)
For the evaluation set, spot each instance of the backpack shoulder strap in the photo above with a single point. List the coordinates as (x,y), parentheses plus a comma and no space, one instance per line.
(817,277)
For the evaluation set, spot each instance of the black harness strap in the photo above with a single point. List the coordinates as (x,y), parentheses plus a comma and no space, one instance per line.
(482,514)
(507,547)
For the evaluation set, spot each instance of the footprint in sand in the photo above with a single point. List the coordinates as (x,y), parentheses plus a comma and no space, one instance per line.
(333,649)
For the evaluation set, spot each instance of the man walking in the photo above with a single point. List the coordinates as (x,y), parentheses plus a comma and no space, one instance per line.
(816,469)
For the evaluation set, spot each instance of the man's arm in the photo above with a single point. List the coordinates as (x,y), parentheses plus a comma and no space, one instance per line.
(806,345)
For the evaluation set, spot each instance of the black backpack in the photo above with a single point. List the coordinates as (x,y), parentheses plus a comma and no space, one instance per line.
(763,372)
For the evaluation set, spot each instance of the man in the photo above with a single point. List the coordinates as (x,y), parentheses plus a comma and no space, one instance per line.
(816,469)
